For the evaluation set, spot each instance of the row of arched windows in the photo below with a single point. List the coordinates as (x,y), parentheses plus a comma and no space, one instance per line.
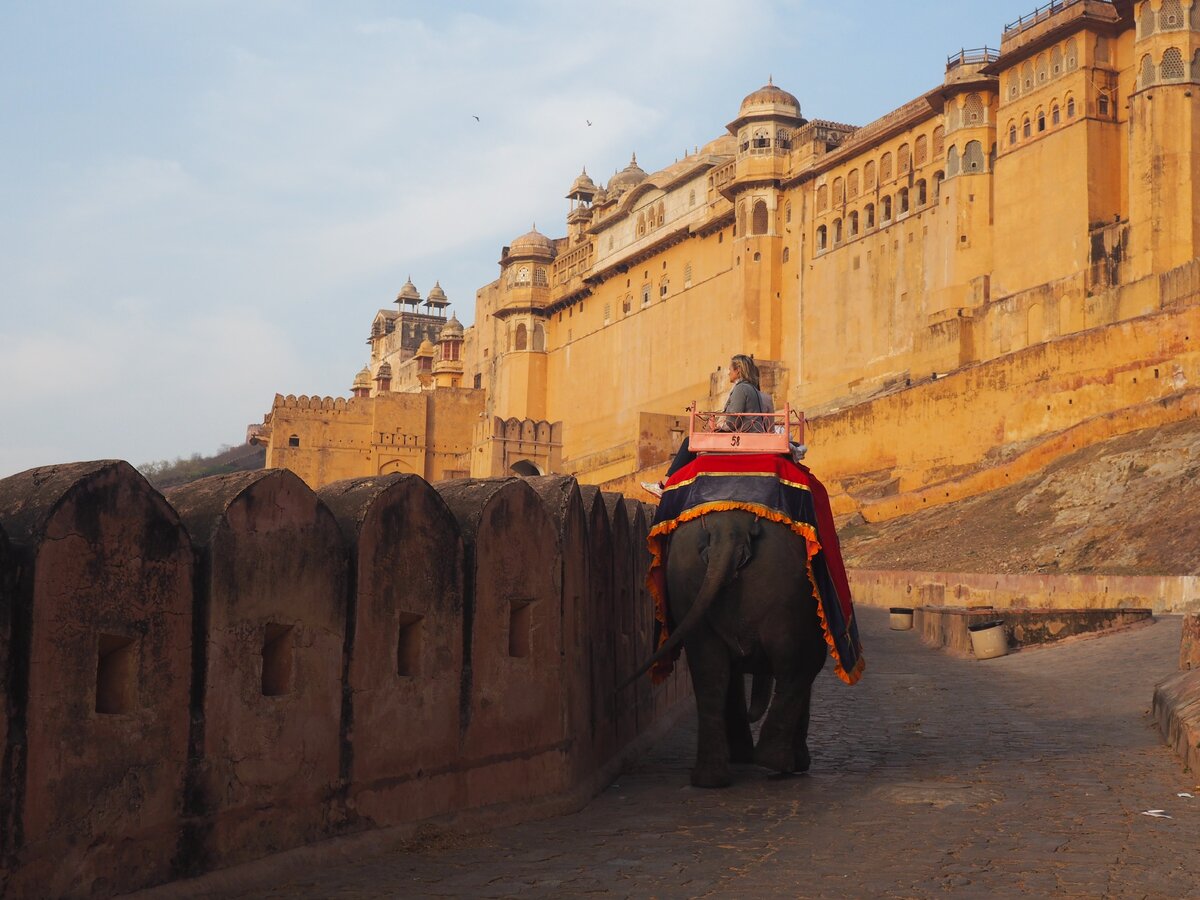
(518,337)
(759,218)
(653,217)
(1169,16)
(1044,118)
(1172,67)
(856,222)
(1037,72)
(876,174)
(521,275)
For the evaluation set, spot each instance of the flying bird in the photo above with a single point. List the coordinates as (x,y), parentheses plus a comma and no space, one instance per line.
(476,118)
(589,121)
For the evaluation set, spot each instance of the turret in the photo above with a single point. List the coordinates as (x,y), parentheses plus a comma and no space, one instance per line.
(437,301)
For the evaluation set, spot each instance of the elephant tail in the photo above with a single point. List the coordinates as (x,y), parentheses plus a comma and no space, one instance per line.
(719,573)
(760,693)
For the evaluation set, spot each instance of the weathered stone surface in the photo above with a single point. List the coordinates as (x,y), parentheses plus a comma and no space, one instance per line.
(624,614)
(8,599)
(643,613)
(271,600)
(1177,710)
(1189,643)
(512,708)
(948,626)
(100,680)
(564,503)
(601,629)
(401,725)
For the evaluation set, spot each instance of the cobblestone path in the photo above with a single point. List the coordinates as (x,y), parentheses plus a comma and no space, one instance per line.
(935,776)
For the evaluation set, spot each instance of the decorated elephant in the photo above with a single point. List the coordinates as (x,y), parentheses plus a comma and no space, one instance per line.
(739,589)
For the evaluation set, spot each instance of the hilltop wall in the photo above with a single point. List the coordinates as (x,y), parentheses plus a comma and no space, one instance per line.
(245,665)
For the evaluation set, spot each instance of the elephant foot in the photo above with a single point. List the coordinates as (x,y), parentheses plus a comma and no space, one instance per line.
(711,777)
(803,759)
(775,758)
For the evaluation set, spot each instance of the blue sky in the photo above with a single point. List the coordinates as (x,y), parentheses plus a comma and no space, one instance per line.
(205,202)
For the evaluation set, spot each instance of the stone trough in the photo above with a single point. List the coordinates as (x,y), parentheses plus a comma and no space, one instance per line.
(947,626)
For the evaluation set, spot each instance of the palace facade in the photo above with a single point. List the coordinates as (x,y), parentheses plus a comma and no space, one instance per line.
(921,286)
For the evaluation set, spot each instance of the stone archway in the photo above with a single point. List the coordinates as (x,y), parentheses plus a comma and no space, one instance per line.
(525,468)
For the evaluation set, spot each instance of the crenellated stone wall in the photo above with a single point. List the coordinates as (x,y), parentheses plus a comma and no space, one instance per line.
(244,665)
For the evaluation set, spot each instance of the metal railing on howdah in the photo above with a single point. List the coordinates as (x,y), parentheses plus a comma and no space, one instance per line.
(1039,15)
(976,57)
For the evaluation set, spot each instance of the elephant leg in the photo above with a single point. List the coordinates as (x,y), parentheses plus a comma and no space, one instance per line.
(737,720)
(783,741)
(708,660)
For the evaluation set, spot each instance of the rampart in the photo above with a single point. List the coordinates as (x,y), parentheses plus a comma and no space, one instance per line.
(245,665)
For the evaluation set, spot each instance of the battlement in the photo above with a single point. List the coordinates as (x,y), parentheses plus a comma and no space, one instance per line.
(331,638)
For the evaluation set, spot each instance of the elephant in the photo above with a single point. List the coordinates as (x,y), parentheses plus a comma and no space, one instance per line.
(739,591)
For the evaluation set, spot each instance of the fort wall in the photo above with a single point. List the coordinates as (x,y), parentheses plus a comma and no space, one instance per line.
(248,666)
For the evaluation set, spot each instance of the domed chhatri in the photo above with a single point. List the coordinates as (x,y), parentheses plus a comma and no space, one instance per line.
(531,243)
(409,293)
(582,187)
(437,299)
(452,328)
(426,348)
(629,177)
(384,371)
(363,378)
(769,99)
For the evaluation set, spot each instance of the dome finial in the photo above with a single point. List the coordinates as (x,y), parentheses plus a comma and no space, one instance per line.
(770,79)
(633,159)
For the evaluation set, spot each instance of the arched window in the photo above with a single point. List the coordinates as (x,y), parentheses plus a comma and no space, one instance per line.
(783,139)
(973,111)
(1056,62)
(1102,104)
(641,224)
(1146,21)
(952,161)
(920,150)
(1014,86)
(1146,78)
(1012,133)
(1041,120)
(837,232)
(973,157)
(539,337)
(839,191)
(646,294)
(902,201)
(885,168)
(938,177)
(1027,76)
(939,142)
(1196,57)
(761,139)
(852,185)
(1041,69)
(523,275)
(869,216)
(822,198)
(1055,114)
(1026,128)
(852,225)
(822,238)
(869,176)
(1070,107)
(661,216)
(759,223)
(904,160)
(1072,60)
(787,212)
(885,209)
(739,224)
(539,277)
(1172,65)
(664,285)
(921,190)
(787,253)
(1170,16)
(522,339)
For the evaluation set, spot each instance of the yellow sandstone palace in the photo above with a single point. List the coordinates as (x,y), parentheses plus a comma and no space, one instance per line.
(998,271)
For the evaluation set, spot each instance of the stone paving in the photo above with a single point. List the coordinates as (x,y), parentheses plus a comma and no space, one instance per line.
(934,776)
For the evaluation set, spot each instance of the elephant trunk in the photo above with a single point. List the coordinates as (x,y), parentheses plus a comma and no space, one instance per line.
(722,567)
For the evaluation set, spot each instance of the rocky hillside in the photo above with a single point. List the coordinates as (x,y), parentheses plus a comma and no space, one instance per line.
(164,474)
(1127,506)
